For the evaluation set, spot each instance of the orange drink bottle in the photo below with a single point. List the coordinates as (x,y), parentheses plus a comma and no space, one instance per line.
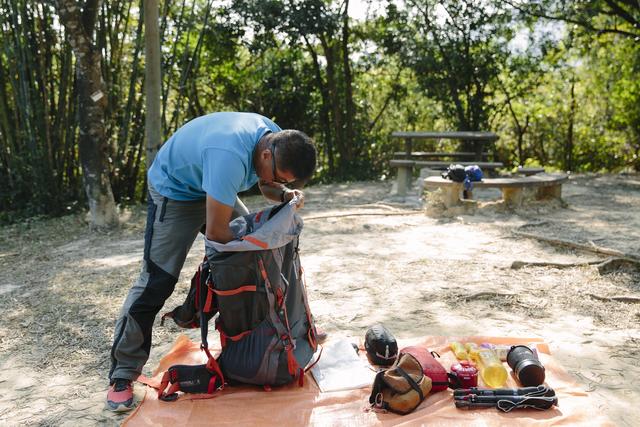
(459,350)
(472,351)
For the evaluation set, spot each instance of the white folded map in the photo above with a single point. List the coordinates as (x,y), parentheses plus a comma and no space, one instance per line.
(340,368)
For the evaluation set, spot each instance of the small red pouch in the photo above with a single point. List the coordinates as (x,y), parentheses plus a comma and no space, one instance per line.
(430,366)
(466,373)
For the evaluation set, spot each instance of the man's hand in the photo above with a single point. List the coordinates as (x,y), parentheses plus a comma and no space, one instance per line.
(290,194)
(279,193)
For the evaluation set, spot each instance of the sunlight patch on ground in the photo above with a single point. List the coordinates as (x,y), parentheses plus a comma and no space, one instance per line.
(418,275)
(453,242)
(5,288)
(74,246)
(112,261)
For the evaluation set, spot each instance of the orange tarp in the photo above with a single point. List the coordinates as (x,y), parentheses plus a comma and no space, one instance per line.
(301,406)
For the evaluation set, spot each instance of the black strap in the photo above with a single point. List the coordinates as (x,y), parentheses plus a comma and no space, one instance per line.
(440,383)
(377,387)
(204,324)
(277,209)
(530,402)
(411,382)
(454,381)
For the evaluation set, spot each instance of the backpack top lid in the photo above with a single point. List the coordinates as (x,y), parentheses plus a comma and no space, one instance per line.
(381,345)
(269,228)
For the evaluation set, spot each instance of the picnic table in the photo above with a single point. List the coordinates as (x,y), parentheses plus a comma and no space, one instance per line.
(478,139)
(408,159)
(405,170)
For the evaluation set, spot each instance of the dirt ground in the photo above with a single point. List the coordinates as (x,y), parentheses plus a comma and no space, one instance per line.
(368,257)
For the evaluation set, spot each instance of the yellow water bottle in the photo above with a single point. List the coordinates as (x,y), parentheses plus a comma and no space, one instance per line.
(472,351)
(492,371)
(459,350)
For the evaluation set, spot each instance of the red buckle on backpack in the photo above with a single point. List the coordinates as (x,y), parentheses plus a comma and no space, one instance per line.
(288,342)
(209,301)
(280,297)
(212,363)
(166,392)
(292,363)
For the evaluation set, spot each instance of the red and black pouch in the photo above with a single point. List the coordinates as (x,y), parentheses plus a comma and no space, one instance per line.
(188,379)
(430,366)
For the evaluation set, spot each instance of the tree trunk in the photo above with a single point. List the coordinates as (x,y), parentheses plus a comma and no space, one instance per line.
(324,108)
(7,131)
(519,129)
(169,65)
(79,26)
(178,108)
(568,165)
(152,79)
(334,101)
(348,85)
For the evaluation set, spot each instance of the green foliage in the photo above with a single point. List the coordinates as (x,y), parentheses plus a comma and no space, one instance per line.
(603,72)
(601,17)
(567,95)
(456,49)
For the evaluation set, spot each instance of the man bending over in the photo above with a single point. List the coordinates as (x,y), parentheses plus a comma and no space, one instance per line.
(194,180)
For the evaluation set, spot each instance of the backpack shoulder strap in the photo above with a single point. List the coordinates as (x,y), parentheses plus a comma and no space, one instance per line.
(203,306)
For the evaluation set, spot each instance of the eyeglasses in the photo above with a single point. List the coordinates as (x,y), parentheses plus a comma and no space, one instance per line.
(273,167)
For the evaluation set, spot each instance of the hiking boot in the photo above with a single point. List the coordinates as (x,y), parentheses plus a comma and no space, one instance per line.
(120,395)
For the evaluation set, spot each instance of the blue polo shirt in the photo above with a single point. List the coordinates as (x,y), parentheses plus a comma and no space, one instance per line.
(212,155)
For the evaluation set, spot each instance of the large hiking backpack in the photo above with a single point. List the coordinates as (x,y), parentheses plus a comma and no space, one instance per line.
(256,285)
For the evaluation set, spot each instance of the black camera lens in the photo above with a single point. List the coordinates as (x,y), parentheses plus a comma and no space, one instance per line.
(525,365)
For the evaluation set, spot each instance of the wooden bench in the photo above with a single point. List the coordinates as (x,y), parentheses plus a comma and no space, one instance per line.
(529,171)
(548,187)
(442,165)
(417,155)
(405,170)
(476,141)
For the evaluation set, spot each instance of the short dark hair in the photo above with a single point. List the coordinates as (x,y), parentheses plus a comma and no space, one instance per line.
(295,153)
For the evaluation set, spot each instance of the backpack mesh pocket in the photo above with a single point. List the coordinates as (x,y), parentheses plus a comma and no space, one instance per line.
(249,360)
(241,293)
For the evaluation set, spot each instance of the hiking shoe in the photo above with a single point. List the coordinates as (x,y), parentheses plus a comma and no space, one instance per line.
(120,395)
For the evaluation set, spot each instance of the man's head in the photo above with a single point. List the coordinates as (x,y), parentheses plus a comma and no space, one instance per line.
(286,156)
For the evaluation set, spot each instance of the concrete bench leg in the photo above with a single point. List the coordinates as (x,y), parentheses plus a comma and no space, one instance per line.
(512,197)
(549,193)
(404,175)
(451,195)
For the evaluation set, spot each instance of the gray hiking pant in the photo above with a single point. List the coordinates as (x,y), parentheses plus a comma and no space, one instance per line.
(172,226)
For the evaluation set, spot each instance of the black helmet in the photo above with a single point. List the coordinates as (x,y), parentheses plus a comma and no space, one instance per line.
(381,346)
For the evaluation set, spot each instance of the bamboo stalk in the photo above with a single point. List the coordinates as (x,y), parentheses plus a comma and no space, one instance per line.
(124,140)
(166,87)
(137,162)
(184,71)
